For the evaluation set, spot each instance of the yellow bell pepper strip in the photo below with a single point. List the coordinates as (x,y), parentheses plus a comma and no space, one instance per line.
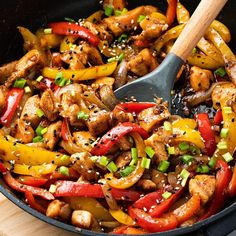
(14,184)
(171,34)
(107,51)
(95,17)
(67,43)
(23,154)
(122,217)
(83,74)
(222,30)
(210,50)
(91,205)
(228,55)
(184,123)
(39,170)
(130,180)
(182,13)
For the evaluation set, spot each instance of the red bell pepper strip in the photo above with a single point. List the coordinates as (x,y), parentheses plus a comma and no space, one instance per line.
(13,99)
(65,130)
(165,205)
(135,107)
(232,184)
(32,181)
(208,135)
(14,184)
(119,229)
(223,178)
(3,169)
(76,189)
(142,43)
(111,137)
(67,28)
(171,11)
(56,175)
(151,224)
(149,200)
(33,204)
(218,117)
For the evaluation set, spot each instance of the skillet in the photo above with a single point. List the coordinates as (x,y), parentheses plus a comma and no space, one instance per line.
(34,14)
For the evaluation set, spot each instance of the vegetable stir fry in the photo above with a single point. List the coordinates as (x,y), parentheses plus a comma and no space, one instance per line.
(75,153)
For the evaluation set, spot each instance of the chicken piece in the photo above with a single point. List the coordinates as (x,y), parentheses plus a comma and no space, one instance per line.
(147,185)
(76,60)
(29,61)
(124,23)
(143,63)
(53,134)
(6,70)
(152,117)
(84,166)
(200,79)
(56,60)
(204,185)
(82,219)
(108,97)
(3,96)
(119,116)
(173,179)
(84,139)
(124,144)
(99,122)
(29,112)
(116,4)
(159,179)
(58,209)
(24,132)
(94,56)
(123,159)
(48,105)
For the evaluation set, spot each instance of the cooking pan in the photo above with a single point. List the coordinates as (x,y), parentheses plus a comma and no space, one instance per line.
(34,14)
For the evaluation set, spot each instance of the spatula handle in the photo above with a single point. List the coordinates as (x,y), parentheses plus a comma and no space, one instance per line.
(201,19)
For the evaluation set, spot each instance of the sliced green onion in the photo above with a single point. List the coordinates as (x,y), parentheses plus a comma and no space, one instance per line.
(27,89)
(212,162)
(44,131)
(171,150)
(222,145)
(119,12)
(134,155)
(108,10)
(167,126)
(64,170)
(94,158)
(187,159)
(141,18)
(150,152)
(47,31)
(59,80)
(103,161)
(227,110)
(39,130)
(19,83)
(163,166)
(69,19)
(127,171)
(40,113)
(145,163)
(220,71)
(39,79)
(123,37)
(203,169)
(121,57)
(52,188)
(184,146)
(166,195)
(112,59)
(82,115)
(224,132)
(112,167)
(64,158)
(228,157)
(194,51)
(184,175)
(38,139)
(194,150)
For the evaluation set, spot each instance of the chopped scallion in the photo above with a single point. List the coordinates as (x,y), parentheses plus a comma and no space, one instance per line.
(47,31)
(38,139)
(82,115)
(103,161)
(134,155)
(112,167)
(64,158)
(163,166)
(27,89)
(194,51)
(194,150)
(64,170)
(203,169)
(52,188)
(69,19)
(19,83)
(227,110)
(222,145)
(145,163)
(123,37)
(167,126)
(150,152)
(112,59)
(224,132)
(108,10)
(141,18)
(94,158)
(228,157)
(44,131)
(171,150)
(119,12)
(212,162)
(39,79)
(127,171)
(187,159)
(166,195)
(184,146)
(220,71)
(121,57)
(39,130)
(40,113)
(184,175)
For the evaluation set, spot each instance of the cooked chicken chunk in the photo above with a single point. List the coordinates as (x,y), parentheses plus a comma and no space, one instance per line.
(24,132)
(204,185)
(143,63)
(29,112)
(84,139)
(153,116)
(6,70)
(159,178)
(123,159)
(117,4)
(3,95)
(53,134)
(147,185)
(82,219)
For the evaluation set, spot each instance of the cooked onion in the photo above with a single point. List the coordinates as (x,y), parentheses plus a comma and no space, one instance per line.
(108,97)
(120,74)
(71,147)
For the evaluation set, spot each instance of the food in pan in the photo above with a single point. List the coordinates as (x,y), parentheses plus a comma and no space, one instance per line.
(75,153)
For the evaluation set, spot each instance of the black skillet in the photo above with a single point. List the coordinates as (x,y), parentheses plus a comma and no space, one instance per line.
(34,14)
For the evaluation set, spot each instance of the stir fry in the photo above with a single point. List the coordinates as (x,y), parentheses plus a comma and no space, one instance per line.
(74,152)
